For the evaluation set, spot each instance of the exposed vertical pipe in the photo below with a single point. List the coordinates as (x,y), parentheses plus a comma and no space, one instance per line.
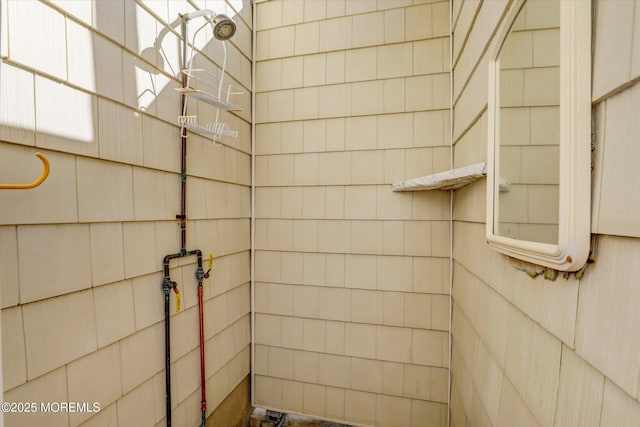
(203,381)
(183,139)
(167,283)
(452,196)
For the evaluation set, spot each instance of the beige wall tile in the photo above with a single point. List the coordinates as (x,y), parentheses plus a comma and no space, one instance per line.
(334,304)
(314,335)
(307,38)
(360,340)
(394,273)
(368,29)
(429,347)
(270,15)
(95,378)
(360,133)
(334,370)
(292,398)
(417,381)
(393,344)
(419,93)
(148,344)
(610,70)
(335,34)
(417,311)
(58,331)
(334,101)
(314,399)
(61,252)
(314,269)
(360,64)
(415,18)
(305,301)
(335,337)
(367,98)
(306,366)
(393,303)
(366,375)
(280,362)
(367,167)
(618,408)
(18,109)
(334,236)
(335,399)
(334,169)
(14,367)
(392,411)
(394,25)
(580,391)
(72,127)
(335,270)
(360,407)
(367,306)
(336,67)
(395,61)
(105,191)
(394,92)
(609,294)
(51,387)
(141,404)
(114,305)
(395,131)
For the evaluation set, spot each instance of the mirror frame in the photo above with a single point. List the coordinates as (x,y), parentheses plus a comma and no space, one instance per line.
(572,250)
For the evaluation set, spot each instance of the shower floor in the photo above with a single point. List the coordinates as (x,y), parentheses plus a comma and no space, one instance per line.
(259,419)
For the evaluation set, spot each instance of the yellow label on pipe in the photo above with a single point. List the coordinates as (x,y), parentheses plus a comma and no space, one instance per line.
(210,261)
(177,303)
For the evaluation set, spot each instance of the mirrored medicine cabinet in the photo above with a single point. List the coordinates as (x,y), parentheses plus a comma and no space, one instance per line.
(539,111)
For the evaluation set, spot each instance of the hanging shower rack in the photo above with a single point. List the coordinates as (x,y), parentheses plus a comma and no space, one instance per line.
(216,129)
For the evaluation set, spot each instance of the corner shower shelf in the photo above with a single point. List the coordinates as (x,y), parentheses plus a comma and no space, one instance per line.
(208,98)
(214,129)
(448,180)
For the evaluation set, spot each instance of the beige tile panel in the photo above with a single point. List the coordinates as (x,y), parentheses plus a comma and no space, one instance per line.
(147,345)
(392,411)
(9,292)
(336,34)
(618,408)
(114,305)
(142,404)
(60,252)
(615,211)
(269,15)
(368,29)
(105,191)
(95,378)
(360,64)
(307,37)
(292,396)
(14,366)
(314,397)
(360,407)
(611,66)
(606,303)
(18,110)
(580,392)
(51,387)
(58,331)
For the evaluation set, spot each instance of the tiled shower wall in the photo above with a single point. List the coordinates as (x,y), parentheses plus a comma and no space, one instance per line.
(537,352)
(352,279)
(81,255)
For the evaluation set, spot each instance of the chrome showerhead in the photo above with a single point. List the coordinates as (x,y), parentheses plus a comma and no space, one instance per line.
(223,27)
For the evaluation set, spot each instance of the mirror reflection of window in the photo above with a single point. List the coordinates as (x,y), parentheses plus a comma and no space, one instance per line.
(528,135)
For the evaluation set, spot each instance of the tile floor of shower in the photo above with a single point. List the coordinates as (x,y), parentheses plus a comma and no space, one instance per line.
(259,418)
